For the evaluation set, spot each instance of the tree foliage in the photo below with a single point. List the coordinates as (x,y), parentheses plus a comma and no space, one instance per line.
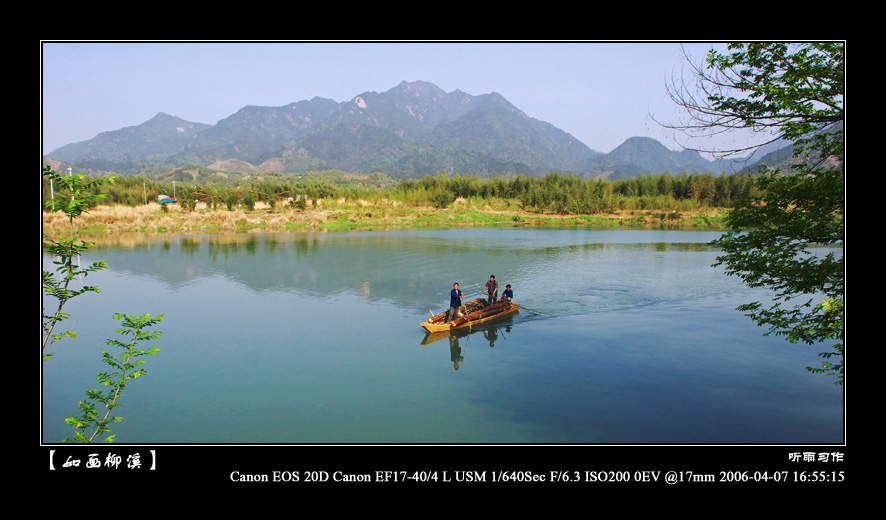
(559,193)
(786,91)
(795,92)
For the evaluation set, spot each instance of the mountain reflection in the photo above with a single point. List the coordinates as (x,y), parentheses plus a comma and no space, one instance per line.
(412,269)
(415,269)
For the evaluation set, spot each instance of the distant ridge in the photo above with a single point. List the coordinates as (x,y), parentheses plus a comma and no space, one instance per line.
(411,130)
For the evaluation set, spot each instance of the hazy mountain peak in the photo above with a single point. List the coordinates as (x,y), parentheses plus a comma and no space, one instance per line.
(417,88)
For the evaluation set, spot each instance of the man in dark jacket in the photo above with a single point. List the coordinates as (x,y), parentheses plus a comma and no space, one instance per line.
(454,302)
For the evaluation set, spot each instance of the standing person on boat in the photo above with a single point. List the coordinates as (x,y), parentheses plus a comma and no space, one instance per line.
(454,302)
(491,288)
(508,295)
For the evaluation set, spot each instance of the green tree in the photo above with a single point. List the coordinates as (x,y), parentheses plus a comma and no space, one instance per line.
(796,93)
(441,196)
(232,199)
(249,201)
(66,252)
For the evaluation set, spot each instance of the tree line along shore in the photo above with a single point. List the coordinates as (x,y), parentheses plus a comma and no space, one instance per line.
(134,204)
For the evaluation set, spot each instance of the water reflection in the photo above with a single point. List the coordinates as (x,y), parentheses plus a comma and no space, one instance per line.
(416,269)
(458,339)
(455,352)
(625,337)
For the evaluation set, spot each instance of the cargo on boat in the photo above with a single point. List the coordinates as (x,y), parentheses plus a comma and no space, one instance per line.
(469,314)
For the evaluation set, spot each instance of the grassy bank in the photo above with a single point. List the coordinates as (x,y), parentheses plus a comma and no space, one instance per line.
(342,215)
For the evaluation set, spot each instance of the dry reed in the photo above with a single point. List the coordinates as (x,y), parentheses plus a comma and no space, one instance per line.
(151,219)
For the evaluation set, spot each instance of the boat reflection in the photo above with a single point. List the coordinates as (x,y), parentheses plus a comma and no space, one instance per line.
(459,339)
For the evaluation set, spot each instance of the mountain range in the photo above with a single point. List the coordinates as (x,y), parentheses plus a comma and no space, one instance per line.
(409,131)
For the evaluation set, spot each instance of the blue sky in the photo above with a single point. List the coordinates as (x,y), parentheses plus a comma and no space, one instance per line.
(602,93)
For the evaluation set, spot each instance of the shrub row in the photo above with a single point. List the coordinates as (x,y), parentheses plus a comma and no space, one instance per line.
(554,192)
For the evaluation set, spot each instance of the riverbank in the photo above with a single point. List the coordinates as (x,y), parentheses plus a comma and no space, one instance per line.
(155,219)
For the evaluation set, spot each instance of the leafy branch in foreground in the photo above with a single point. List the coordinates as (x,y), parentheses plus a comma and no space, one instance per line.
(126,367)
(67,252)
(79,188)
(58,285)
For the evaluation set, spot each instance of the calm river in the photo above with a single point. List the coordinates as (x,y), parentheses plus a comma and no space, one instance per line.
(630,337)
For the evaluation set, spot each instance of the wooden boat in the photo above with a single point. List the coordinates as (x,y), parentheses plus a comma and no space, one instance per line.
(473,314)
(466,308)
